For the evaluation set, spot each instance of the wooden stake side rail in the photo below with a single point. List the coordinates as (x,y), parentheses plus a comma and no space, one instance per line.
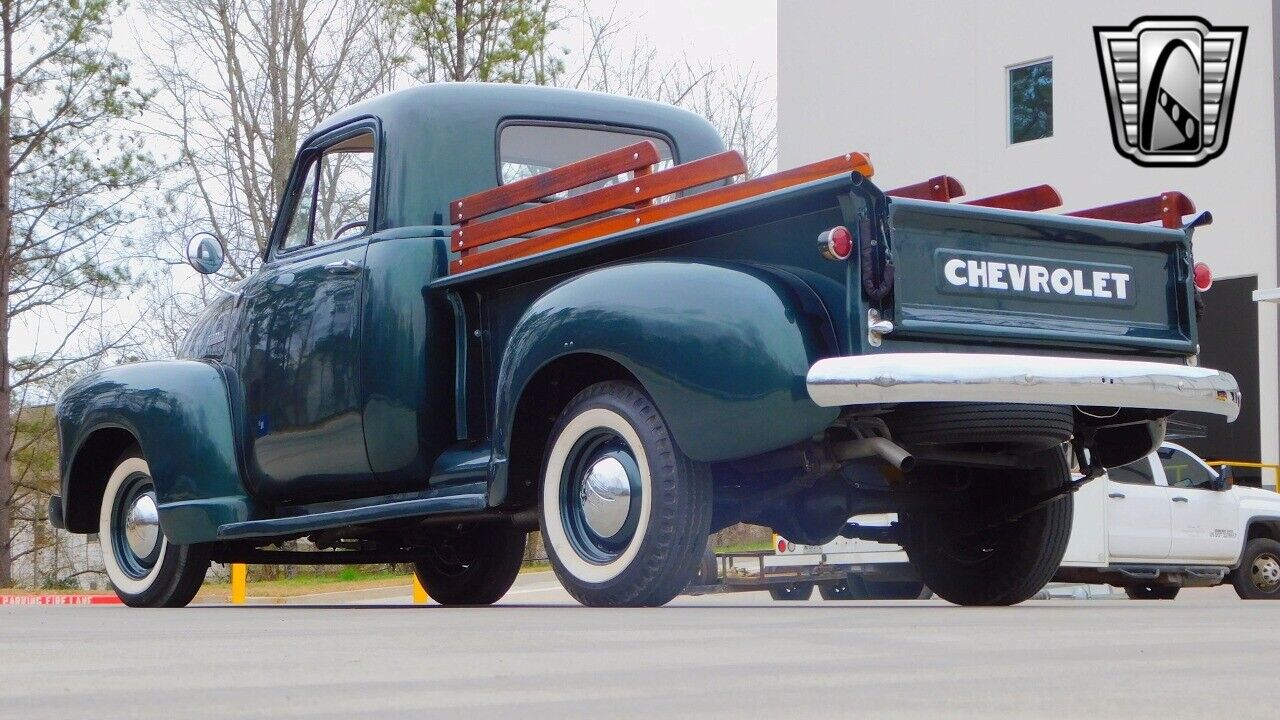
(638,195)
(1039,197)
(567,177)
(849,163)
(644,187)
(1168,208)
(939,189)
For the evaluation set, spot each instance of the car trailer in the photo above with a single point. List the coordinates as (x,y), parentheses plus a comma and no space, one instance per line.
(728,572)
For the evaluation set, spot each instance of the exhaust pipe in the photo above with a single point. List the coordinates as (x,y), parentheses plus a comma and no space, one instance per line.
(827,458)
(883,448)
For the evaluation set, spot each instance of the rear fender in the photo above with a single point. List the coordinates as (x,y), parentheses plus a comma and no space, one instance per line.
(182,416)
(723,350)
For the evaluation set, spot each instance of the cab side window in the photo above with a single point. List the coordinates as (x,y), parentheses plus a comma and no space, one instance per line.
(335,199)
(1137,472)
(299,232)
(1184,471)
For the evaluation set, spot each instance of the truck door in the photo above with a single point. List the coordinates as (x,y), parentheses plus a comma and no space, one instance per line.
(1138,516)
(300,337)
(1205,520)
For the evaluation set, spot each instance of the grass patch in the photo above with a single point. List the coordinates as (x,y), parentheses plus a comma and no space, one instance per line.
(344,579)
(745,547)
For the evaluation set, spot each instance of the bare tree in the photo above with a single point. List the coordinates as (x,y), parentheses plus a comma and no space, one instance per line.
(734,100)
(66,179)
(239,82)
(483,40)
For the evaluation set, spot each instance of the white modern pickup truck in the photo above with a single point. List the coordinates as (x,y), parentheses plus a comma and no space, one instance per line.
(1154,526)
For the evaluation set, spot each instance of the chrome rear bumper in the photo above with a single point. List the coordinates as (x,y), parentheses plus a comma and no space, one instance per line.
(962,377)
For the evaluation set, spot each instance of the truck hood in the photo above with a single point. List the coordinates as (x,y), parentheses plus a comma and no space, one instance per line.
(1258,496)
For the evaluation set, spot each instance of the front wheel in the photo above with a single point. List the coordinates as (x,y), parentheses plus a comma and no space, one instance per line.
(1000,564)
(145,569)
(625,514)
(473,566)
(1258,576)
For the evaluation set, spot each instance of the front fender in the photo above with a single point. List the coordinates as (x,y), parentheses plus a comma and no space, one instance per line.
(181,413)
(722,349)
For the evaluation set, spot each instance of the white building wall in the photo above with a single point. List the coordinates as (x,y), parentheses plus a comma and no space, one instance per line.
(922,87)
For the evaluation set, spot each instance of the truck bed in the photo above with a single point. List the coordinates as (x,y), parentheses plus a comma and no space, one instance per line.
(995,270)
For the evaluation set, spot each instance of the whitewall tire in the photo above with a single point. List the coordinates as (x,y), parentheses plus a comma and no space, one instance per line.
(625,515)
(144,568)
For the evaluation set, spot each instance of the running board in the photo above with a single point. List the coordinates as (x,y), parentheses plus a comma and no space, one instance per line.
(422,507)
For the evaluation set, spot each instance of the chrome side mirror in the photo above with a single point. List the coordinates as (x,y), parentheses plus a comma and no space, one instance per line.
(205,253)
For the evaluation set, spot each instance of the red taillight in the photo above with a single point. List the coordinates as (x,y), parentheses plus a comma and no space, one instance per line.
(836,243)
(1203,277)
(782,545)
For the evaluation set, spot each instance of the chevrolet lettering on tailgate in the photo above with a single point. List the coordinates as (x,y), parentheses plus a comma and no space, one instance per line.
(983,273)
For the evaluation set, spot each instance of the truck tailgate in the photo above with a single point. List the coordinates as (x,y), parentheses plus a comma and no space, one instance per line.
(967,272)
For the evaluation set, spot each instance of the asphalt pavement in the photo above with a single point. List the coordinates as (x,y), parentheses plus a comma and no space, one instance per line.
(537,655)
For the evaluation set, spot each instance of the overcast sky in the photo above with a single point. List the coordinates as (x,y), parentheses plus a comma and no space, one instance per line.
(741,32)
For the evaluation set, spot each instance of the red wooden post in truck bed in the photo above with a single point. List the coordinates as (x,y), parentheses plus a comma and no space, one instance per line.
(1168,207)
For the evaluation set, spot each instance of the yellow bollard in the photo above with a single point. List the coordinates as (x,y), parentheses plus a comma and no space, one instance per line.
(419,592)
(239,583)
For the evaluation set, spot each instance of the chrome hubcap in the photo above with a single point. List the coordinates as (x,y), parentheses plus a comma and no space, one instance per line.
(136,538)
(606,497)
(142,525)
(600,497)
(1266,572)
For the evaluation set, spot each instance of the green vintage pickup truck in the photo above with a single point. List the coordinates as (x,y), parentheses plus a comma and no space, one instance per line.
(487,310)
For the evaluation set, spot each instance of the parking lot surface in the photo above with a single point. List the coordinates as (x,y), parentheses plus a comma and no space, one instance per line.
(742,656)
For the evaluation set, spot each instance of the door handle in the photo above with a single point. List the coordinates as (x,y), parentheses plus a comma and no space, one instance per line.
(1117,496)
(343,267)
(1179,498)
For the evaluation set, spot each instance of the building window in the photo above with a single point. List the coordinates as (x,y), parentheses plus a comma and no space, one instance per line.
(1031,101)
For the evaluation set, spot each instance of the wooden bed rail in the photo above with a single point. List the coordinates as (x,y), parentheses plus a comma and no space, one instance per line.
(1038,197)
(939,189)
(566,177)
(643,187)
(1167,207)
(646,198)
(635,197)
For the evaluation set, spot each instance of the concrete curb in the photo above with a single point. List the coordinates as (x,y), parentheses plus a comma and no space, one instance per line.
(83,599)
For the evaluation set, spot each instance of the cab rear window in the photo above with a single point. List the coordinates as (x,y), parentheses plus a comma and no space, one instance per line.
(529,149)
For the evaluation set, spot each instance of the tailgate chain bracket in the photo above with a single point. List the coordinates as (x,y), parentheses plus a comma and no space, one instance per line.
(877,327)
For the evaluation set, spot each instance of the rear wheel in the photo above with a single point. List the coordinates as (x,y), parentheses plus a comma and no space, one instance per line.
(1027,428)
(708,569)
(145,569)
(1258,576)
(1151,592)
(625,514)
(792,591)
(1001,564)
(475,566)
